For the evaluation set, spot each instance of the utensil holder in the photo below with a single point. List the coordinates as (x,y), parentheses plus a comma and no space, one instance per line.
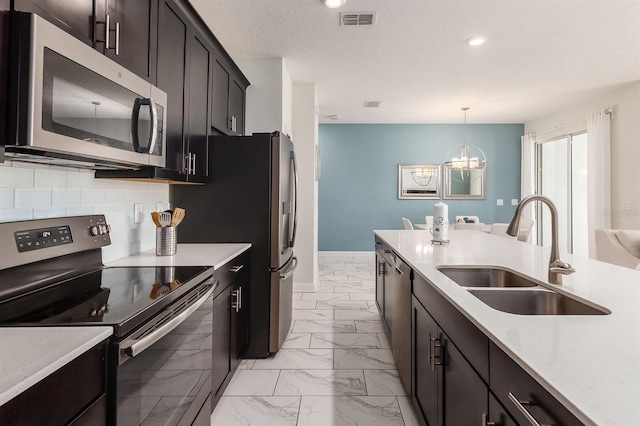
(166,241)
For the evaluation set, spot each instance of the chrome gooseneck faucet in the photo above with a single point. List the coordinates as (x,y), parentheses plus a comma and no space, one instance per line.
(557,267)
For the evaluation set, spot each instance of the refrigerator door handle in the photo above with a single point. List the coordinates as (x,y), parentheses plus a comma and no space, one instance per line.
(294,264)
(292,239)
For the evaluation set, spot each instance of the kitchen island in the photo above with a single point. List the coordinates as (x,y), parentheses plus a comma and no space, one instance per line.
(589,363)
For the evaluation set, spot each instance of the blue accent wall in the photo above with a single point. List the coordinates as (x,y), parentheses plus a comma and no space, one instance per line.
(358,187)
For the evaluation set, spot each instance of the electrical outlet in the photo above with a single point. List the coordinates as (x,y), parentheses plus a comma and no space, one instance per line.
(500,202)
(514,201)
(138,212)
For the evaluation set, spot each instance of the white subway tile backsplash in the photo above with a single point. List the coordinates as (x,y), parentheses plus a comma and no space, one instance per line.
(92,196)
(39,192)
(80,180)
(50,179)
(47,212)
(32,198)
(79,210)
(6,198)
(15,214)
(103,184)
(14,177)
(66,197)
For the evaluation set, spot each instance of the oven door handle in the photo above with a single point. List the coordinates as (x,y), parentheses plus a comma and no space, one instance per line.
(141,344)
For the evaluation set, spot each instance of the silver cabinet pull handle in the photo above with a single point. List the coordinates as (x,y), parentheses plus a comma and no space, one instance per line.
(235,302)
(236,268)
(117,38)
(434,359)
(485,421)
(107,32)
(193,170)
(520,406)
(240,297)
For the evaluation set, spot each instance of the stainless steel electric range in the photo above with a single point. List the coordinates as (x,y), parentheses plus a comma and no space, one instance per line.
(159,357)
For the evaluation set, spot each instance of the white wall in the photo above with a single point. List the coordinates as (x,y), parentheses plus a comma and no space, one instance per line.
(625,146)
(36,192)
(268,99)
(305,128)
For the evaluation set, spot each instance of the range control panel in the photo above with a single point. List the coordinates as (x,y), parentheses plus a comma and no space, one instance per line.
(23,242)
(34,239)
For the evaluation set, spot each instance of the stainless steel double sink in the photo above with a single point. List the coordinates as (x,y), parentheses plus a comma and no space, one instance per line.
(507,291)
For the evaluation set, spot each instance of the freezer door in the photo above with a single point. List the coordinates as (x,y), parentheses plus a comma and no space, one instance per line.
(281,310)
(283,200)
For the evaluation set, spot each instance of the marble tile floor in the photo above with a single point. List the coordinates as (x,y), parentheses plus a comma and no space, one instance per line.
(335,367)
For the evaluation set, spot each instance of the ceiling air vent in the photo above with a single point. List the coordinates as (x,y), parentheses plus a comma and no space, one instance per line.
(354,18)
(372,104)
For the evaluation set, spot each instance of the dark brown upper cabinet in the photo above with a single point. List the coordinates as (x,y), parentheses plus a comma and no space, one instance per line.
(229,87)
(183,72)
(129,38)
(124,30)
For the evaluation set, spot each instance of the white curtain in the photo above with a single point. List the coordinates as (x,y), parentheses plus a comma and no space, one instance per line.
(527,176)
(599,175)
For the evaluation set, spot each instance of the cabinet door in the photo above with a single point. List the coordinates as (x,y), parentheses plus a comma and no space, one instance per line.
(465,394)
(198,110)
(74,16)
(427,391)
(130,36)
(380,272)
(171,79)
(221,339)
(220,100)
(240,320)
(236,108)
(400,335)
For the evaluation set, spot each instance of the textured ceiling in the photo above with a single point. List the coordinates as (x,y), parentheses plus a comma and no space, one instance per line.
(541,55)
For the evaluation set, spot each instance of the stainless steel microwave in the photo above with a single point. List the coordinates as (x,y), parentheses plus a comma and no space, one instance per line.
(68,102)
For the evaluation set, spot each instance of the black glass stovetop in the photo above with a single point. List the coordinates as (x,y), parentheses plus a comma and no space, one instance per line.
(122,297)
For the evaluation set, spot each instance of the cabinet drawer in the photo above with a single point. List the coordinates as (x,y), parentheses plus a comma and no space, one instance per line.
(508,377)
(61,396)
(469,340)
(232,270)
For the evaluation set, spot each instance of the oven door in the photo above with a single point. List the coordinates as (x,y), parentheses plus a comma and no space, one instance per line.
(161,372)
(86,105)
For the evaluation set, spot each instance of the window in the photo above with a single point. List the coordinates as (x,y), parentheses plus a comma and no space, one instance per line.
(562,176)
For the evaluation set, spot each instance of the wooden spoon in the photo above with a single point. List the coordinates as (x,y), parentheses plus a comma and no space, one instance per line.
(178,215)
(155,216)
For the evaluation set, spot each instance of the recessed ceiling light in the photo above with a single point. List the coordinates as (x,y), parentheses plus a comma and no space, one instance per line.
(476,40)
(334,4)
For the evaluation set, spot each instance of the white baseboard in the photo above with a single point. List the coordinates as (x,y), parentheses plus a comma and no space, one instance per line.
(304,287)
(347,253)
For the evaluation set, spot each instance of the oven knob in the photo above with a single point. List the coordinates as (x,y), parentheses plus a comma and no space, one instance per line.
(103,229)
(94,313)
(94,231)
(108,229)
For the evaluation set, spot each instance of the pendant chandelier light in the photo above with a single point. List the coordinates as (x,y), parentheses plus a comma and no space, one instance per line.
(466,162)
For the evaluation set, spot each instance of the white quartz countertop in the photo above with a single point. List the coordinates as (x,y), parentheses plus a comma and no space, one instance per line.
(29,354)
(590,363)
(214,255)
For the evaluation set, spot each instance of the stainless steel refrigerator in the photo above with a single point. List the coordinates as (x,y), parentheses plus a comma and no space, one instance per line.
(251,197)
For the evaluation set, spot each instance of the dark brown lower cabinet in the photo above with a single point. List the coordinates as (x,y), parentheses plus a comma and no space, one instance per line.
(74,394)
(230,323)
(512,386)
(447,389)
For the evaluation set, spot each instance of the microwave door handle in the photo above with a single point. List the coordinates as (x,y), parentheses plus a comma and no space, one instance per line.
(135,117)
(292,241)
(153,137)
